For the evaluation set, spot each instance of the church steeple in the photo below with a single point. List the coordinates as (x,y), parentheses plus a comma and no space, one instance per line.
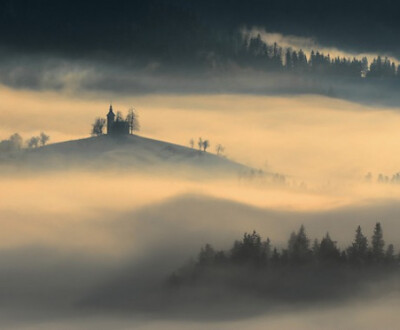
(110,120)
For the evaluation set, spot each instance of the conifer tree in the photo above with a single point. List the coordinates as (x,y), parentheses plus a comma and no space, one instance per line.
(315,248)
(389,255)
(266,251)
(206,255)
(378,244)
(328,250)
(299,246)
(359,249)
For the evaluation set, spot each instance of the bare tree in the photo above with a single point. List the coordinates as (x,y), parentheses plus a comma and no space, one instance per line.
(119,116)
(33,142)
(16,141)
(206,144)
(133,120)
(98,126)
(13,143)
(44,138)
(191,143)
(200,143)
(219,149)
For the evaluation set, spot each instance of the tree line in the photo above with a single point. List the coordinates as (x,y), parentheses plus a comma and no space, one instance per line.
(275,58)
(252,250)
(301,271)
(204,144)
(15,142)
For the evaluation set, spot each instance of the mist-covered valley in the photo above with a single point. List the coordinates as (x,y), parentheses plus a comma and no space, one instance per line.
(93,246)
(92,251)
(172,164)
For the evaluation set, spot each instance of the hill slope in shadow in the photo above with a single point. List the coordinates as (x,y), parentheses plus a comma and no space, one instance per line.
(125,152)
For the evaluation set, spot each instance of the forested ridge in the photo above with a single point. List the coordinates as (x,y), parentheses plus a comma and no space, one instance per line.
(272,57)
(303,269)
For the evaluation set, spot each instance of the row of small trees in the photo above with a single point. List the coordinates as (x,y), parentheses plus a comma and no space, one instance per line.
(382,178)
(37,141)
(205,144)
(16,143)
(252,250)
(201,144)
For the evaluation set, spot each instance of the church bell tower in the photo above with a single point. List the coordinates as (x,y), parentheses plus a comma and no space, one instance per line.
(110,120)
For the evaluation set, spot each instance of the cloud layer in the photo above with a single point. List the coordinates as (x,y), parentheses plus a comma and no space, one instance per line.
(173,29)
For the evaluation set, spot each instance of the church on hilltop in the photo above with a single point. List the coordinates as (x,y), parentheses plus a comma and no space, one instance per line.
(116,125)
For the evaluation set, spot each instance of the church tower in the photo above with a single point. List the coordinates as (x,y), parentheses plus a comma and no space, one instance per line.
(110,120)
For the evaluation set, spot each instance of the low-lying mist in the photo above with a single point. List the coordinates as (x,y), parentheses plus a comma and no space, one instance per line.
(296,136)
(46,206)
(78,240)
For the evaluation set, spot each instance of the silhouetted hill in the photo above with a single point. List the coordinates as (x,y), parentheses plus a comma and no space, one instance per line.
(130,151)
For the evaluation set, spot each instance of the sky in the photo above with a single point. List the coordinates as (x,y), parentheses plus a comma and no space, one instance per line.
(174,46)
(75,235)
(151,28)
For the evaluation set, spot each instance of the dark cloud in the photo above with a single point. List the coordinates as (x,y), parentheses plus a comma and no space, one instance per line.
(175,46)
(136,31)
(176,30)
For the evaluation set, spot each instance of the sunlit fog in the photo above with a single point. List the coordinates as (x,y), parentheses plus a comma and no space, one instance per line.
(199,165)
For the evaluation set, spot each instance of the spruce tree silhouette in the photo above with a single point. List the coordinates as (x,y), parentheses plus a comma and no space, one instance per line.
(358,251)
(378,244)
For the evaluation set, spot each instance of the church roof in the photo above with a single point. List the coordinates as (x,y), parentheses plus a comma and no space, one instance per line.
(110,112)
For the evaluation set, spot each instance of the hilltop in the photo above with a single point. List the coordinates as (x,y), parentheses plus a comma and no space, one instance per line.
(125,151)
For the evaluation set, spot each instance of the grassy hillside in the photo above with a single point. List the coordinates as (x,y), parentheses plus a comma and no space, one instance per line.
(130,151)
